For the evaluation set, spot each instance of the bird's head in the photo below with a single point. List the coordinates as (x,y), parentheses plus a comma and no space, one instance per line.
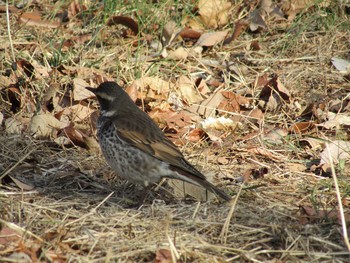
(111,97)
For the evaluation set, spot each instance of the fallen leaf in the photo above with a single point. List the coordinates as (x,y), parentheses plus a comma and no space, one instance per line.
(170,33)
(34,19)
(125,21)
(207,108)
(302,127)
(188,90)
(79,90)
(211,38)
(178,54)
(339,150)
(164,256)
(214,13)
(44,125)
(256,21)
(341,64)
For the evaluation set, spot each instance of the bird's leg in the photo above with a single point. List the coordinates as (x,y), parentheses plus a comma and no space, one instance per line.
(144,195)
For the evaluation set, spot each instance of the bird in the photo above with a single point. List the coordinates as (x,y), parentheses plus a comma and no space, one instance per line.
(135,147)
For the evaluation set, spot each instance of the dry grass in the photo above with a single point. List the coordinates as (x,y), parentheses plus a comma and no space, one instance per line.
(72,212)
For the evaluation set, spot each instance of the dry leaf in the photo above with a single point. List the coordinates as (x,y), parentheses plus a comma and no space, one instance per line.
(79,90)
(341,64)
(170,33)
(211,38)
(188,90)
(220,124)
(207,108)
(256,21)
(125,21)
(34,19)
(339,150)
(214,13)
(163,256)
(181,189)
(44,125)
(302,127)
(335,120)
(158,85)
(178,54)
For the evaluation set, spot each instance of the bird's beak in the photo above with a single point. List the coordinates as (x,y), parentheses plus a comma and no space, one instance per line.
(93,90)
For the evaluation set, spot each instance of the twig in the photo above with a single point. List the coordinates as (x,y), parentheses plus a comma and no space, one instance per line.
(337,191)
(224,230)
(16,164)
(9,30)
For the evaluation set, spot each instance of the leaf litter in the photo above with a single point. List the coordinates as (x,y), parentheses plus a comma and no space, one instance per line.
(249,98)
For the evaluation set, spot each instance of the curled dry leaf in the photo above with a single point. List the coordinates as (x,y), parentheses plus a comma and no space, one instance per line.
(164,256)
(302,127)
(256,21)
(196,135)
(292,7)
(132,91)
(220,124)
(75,136)
(190,33)
(27,68)
(125,21)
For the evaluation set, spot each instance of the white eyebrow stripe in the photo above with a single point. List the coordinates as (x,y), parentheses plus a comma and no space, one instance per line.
(108,113)
(105,96)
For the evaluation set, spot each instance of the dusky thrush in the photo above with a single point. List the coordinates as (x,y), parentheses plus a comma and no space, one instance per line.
(135,147)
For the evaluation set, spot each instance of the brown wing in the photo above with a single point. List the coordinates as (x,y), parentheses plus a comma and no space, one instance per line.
(152,141)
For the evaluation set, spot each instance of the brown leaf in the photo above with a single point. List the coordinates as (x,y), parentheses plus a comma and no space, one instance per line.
(132,91)
(75,136)
(316,215)
(163,256)
(170,33)
(20,184)
(302,127)
(240,26)
(75,8)
(27,68)
(196,135)
(178,54)
(125,21)
(34,19)
(190,33)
